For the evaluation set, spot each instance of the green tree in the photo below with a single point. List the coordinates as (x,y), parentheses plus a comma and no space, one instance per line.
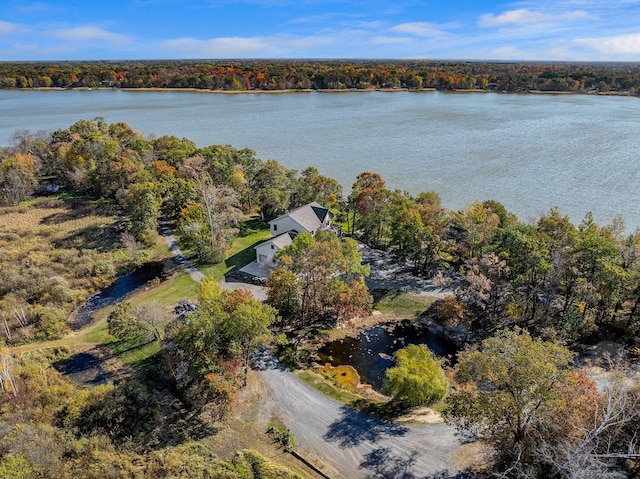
(173,150)
(143,207)
(123,324)
(417,378)
(271,185)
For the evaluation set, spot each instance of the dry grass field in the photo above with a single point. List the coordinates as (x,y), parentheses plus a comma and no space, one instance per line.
(54,254)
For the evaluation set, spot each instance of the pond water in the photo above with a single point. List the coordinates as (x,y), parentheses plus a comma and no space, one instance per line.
(371,353)
(117,291)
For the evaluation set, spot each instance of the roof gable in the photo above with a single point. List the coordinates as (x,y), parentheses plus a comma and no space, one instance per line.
(310,216)
(280,241)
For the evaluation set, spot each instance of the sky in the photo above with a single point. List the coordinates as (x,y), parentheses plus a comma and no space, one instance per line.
(563,30)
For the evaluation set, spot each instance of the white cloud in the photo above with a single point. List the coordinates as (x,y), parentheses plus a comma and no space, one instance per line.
(629,43)
(243,47)
(7,28)
(33,7)
(387,40)
(91,32)
(215,48)
(420,29)
(524,16)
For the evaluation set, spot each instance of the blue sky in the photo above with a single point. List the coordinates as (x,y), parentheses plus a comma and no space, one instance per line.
(572,30)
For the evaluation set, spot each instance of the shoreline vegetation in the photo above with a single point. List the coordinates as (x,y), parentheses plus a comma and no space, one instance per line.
(280,76)
(328,90)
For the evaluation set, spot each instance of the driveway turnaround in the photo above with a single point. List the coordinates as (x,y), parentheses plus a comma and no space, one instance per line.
(346,443)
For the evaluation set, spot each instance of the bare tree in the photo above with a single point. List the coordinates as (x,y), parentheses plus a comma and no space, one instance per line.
(7,382)
(608,441)
(132,245)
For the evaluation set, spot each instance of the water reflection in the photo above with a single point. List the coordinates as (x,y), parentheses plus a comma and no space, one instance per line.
(371,353)
(115,292)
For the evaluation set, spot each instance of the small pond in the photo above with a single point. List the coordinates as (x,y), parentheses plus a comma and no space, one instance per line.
(117,291)
(371,353)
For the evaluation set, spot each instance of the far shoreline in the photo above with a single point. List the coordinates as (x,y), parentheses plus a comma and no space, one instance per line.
(625,93)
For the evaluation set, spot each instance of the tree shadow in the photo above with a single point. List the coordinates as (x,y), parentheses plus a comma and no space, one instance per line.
(354,428)
(241,259)
(97,238)
(387,411)
(381,463)
(74,210)
(84,368)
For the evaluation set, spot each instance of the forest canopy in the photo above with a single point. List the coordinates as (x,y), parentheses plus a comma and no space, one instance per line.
(270,75)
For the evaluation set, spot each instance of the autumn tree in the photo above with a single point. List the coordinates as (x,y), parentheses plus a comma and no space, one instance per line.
(371,202)
(210,223)
(207,351)
(476,224)
(365,184)
(314,275)
(510,396)
(312,186)
(18,178)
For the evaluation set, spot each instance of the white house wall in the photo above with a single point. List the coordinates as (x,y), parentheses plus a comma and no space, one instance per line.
(266,253)
(285,224)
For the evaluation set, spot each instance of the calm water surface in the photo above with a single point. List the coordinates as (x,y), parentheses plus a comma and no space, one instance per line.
(371,353)
(530,152)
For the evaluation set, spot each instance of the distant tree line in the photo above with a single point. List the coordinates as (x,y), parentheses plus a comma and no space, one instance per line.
(246,75)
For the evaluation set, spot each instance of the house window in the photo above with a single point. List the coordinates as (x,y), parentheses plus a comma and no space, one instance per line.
(275,227)
(273,247)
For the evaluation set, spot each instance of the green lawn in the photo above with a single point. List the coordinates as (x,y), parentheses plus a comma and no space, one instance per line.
(168,293)
(402,303)
(242,252)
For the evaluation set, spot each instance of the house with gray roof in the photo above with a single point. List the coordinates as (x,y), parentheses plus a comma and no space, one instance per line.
(309,218)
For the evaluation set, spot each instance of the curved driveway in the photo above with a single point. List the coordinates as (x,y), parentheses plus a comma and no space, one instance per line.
(347,443)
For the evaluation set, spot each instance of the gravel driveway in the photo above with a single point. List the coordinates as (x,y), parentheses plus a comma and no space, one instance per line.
(350,444)
(388,274)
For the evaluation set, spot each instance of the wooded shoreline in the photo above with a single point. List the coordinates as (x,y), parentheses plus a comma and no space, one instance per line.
(326,75)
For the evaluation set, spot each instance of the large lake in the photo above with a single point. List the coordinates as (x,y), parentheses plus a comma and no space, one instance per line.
(531,152)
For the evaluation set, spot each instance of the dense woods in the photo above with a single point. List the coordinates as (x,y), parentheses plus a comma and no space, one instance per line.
(268,75)
(529,295)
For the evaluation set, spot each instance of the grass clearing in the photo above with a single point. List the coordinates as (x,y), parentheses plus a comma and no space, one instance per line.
(55,252)
(328,388)
(404,304)
(167,293)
